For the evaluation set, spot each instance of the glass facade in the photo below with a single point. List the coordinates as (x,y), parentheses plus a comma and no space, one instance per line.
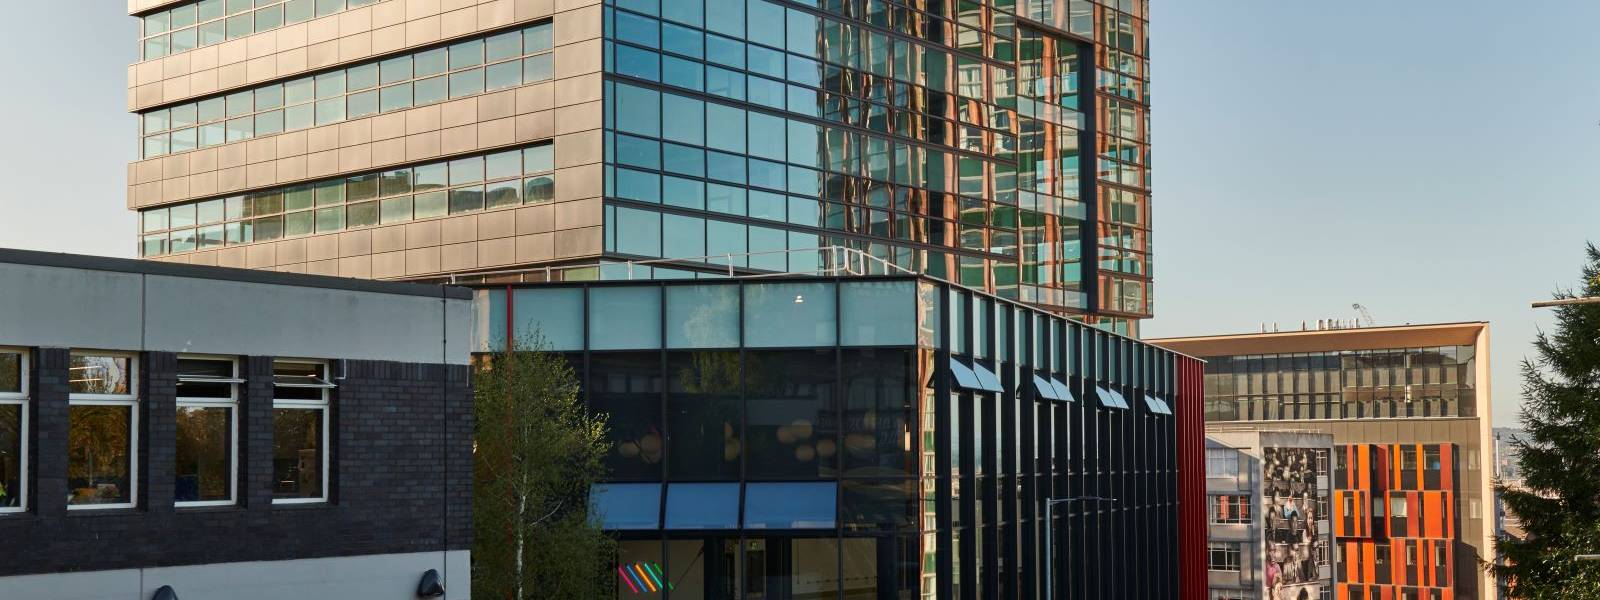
(1436,381)
(946,137)
(884,437)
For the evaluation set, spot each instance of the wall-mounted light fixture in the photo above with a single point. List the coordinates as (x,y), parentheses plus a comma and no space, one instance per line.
(430,587)
(165,593)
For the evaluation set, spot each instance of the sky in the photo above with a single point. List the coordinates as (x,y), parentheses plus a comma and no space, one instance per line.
(1433,160)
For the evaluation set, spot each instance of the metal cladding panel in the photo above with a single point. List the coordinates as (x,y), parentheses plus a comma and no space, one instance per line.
(1192,577)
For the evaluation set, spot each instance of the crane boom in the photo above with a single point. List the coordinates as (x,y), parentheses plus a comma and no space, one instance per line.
(1363,317)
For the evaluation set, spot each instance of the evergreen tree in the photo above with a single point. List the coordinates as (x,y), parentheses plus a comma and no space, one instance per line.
(537,450)
(1559,504)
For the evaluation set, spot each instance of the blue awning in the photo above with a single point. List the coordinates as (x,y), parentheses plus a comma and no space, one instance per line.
(625,506)
(809,505)
(1122,401)
(1108,398)
(963,375)
(1053,389)
(1046,389)
(1157,405)
(703,506)
(987,380)
(1063,391)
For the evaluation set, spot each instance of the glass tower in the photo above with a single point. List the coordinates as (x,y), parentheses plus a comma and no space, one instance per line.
(997,145)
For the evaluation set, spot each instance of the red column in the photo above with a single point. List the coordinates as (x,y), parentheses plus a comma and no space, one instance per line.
(1191,479)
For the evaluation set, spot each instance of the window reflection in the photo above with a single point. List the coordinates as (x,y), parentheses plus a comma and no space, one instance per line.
(792,419)
(703,411)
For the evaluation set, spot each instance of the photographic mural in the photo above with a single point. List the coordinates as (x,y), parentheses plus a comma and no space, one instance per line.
(1292,509)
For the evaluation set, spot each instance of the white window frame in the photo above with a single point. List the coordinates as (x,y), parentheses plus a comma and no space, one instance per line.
(20,400)
(129,400)
(323,405)
(1234,549)
(232,404)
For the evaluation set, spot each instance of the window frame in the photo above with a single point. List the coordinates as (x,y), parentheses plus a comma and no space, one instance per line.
(232,404)
(1235,550)
(323,405)
(20,399)
(130,400)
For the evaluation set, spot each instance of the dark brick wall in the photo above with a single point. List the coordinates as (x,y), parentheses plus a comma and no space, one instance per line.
(401,478)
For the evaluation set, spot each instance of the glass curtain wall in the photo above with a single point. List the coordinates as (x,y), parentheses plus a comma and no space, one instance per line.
(862,438)
(939,136)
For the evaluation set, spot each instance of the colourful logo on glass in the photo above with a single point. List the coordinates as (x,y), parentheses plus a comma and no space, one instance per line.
(643,578)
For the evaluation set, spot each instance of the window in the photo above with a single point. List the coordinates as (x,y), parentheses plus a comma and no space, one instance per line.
(102,434)
(207,431)
(1230,508)
(300,402)
(1397,507)
(515,58)
(1222,462)
(13,430)
(1224,556)
(501,179)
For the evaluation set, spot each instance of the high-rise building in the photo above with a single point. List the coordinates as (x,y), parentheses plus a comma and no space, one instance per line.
(1408,408)
(996,144)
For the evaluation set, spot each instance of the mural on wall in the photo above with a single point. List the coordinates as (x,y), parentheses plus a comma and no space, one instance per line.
(1292,507)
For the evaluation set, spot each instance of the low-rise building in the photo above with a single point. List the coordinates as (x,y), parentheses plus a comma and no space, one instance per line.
(1267,497)
(229,433)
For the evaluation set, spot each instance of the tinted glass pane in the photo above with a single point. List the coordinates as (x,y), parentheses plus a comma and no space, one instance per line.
(790,414)
(10,372)
(879,505)
(297,453)
(616,506)
(703,316)
(100,375)
(10,450)
(703,415)
(99,454)
(204,461)
(879,413)
(789,314)
(702,506)
(554,314)
(877,313)
(790,505)
(624,318)
(628,388)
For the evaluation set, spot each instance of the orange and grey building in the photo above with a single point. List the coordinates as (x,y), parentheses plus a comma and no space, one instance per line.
(1412,512)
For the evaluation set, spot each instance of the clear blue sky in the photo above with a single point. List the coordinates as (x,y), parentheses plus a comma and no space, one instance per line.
(1432,160)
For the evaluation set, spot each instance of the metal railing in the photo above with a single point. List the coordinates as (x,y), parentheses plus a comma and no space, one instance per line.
(832,260)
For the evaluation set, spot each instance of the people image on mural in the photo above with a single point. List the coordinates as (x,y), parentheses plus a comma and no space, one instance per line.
(1291,509)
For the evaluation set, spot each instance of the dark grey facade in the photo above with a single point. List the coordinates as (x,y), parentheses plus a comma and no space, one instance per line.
(240,511)
(868,437)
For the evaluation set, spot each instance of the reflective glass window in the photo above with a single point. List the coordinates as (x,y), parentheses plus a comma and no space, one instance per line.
(703,391)
(702,316)
(624,318)
(556,314)
(789,314)
(791,414)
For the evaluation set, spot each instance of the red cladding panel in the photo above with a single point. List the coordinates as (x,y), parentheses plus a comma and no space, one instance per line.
(1191,479)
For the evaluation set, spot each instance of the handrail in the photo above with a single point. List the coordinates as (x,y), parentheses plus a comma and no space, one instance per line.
(839,260)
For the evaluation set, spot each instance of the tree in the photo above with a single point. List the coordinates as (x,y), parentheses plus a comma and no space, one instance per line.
(1559,504)
(537,450)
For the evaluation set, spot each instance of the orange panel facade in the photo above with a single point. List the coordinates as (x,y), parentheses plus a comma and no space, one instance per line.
(1395,521)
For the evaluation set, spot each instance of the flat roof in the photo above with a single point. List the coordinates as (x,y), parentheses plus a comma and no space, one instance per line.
(1328,340)
(149,267)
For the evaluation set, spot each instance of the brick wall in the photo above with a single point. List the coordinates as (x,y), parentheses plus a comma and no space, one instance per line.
(401,477)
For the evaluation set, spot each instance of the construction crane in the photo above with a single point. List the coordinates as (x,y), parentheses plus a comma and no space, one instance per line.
(1363,318)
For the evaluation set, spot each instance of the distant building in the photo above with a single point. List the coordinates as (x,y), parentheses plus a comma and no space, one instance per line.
(1267,497)
(1408,408)
(230,433)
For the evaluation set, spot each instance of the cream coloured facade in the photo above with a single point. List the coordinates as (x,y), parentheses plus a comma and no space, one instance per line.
(564,110)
